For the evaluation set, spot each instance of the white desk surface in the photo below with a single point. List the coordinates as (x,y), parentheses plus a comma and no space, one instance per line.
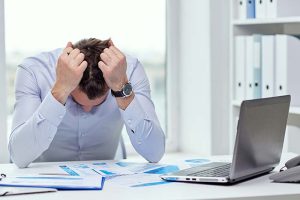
(258,188)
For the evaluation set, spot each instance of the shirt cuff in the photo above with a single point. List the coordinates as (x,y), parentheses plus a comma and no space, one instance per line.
(133,114)
(52,110)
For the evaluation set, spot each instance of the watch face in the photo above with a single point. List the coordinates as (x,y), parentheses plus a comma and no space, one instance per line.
(127,89)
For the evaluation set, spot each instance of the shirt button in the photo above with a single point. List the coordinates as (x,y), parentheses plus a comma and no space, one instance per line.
(139,142)
(82,134)
(60,116)
(129,121)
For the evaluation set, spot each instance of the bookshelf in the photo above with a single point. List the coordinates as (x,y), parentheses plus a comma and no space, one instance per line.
(268,26)
(286,20)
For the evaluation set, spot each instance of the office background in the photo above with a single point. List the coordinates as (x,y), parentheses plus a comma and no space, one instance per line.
(196,91)
(186,47)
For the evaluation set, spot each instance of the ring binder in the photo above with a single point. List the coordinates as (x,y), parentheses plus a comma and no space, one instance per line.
(2,176)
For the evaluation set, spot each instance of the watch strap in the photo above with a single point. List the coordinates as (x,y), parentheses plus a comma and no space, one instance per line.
(117,93)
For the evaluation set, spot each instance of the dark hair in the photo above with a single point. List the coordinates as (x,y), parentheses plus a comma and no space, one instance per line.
(92,82)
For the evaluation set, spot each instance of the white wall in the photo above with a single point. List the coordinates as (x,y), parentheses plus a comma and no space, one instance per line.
(203,76)
(219,56)
(173,77)
(194,70)
(3,135)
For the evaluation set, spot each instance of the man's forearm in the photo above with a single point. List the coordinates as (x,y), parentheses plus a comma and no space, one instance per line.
(31,136)
(60,93)
(144,130)
(123,102)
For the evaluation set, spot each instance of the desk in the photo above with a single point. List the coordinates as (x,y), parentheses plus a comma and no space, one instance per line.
(259,188)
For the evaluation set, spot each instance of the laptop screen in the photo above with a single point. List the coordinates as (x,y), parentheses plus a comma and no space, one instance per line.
(260,135)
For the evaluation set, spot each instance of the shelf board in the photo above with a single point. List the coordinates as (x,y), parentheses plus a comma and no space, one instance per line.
(236,103)
(285,20)
(293,109)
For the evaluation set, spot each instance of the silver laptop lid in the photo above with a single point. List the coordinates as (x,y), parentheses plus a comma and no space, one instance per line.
(260,135)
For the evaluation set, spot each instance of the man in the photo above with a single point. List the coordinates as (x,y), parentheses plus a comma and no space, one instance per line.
(71,104)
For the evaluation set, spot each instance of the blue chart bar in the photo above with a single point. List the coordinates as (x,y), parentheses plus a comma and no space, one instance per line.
(163,170)
(68,170)
(100,163)
(196,162)
(151,184)
(125,164)
(106,172)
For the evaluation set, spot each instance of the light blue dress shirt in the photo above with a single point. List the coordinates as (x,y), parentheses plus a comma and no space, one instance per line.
(45,130)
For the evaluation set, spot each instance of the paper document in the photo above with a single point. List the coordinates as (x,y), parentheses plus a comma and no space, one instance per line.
(7,191)
(138,180)
(112,169)
(59,182)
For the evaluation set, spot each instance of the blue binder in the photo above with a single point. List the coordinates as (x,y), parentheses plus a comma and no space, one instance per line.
(250,9)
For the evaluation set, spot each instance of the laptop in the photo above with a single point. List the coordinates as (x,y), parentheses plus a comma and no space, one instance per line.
(258,146)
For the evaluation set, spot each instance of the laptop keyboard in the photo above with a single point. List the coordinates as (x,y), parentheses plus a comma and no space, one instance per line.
(222,170)
(215,169)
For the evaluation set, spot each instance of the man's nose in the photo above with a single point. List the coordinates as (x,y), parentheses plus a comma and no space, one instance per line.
(87,108)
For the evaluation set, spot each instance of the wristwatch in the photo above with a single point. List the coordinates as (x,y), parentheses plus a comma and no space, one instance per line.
(125,92)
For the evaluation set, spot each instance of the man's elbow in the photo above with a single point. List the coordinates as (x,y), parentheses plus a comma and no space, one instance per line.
(17,160)
(20,163)
(157,156)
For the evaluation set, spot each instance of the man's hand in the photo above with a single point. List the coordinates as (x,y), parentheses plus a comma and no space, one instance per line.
(113,66)
(69,71)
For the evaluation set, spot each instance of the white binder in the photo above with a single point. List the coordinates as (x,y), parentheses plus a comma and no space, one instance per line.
(239,67)
(257,58)
(287,70)
(249,68)
(241,9)
(268,66)
(261,8)
(282,8)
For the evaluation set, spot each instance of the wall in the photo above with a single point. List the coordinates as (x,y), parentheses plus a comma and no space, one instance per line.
(219,56)
(194,70)
(3,135)
(203,76)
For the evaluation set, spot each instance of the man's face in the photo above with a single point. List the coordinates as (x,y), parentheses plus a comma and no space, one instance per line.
(87,104)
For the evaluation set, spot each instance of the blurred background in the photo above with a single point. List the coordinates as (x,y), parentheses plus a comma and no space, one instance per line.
(34,26)
(188,48)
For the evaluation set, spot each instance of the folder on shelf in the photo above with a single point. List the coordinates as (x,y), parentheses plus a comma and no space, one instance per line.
(287,70)
(61,182)
(257,58)
(250,9)
(241,9)
(268,65)
(249,68)
(261,9)
(240,43)
(282,8)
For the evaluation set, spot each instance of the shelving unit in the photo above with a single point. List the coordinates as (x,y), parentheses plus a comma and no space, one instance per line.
(286,20)
(288,25)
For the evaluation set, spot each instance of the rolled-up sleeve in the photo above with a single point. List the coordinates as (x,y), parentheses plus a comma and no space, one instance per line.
(142,125)
(35,121)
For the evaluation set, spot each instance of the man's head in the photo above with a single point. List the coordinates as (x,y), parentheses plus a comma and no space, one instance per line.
(92,89)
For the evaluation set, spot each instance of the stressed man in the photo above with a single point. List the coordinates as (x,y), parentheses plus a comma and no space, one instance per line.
(72,103)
